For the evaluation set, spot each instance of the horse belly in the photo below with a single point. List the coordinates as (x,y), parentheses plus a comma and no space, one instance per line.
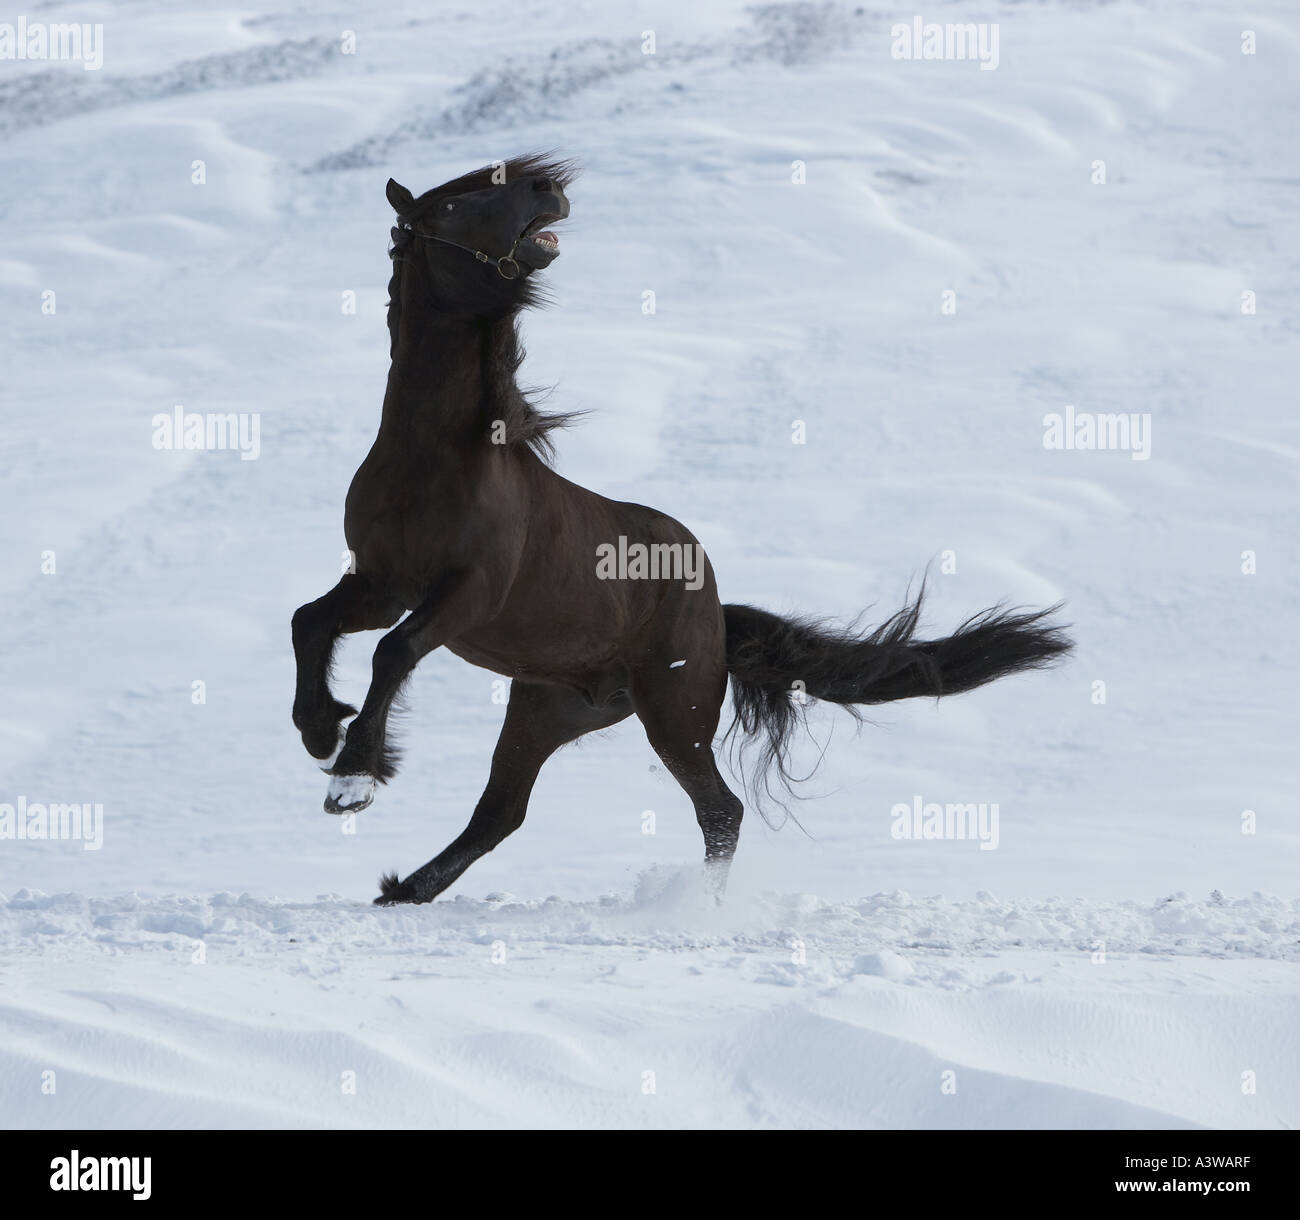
(598,672)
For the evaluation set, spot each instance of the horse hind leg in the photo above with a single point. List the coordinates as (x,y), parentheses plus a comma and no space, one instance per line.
(680,714)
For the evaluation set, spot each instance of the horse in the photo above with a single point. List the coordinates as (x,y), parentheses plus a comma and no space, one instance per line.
(595,609)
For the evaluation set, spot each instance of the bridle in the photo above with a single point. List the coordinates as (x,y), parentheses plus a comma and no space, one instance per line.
(498,263)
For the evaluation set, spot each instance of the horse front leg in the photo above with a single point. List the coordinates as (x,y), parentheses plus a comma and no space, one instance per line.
(457,602)
(352,605)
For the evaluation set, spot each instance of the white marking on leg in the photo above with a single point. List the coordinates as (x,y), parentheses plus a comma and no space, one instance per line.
(351,791)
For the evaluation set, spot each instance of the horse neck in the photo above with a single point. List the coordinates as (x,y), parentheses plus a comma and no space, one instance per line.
(446,372)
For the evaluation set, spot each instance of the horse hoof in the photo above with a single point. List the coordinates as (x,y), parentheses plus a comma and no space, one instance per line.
(323,737)
(392,891)
(348,793)
(322,745)
(396,898)
(327,764)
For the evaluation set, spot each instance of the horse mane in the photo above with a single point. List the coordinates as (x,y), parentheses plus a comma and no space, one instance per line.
(559,169)
(525,423)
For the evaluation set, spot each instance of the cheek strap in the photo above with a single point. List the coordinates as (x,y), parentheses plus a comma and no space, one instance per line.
(499,263)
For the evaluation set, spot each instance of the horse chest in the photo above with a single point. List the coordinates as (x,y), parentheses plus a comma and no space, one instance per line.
(408,521)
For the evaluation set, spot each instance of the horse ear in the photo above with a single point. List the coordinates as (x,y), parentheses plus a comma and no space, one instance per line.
(399,197)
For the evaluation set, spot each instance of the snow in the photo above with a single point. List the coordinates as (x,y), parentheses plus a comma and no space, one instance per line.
(505,1012)
(217,962)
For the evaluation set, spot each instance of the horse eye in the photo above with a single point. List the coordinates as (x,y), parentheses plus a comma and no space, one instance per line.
(451,207)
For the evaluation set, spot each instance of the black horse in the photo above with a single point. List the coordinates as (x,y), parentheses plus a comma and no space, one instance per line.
(595,609)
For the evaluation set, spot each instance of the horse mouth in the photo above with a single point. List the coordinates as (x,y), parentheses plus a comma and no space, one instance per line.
(541,237)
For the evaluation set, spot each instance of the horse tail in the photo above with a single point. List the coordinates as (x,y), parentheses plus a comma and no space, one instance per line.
(777,663)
